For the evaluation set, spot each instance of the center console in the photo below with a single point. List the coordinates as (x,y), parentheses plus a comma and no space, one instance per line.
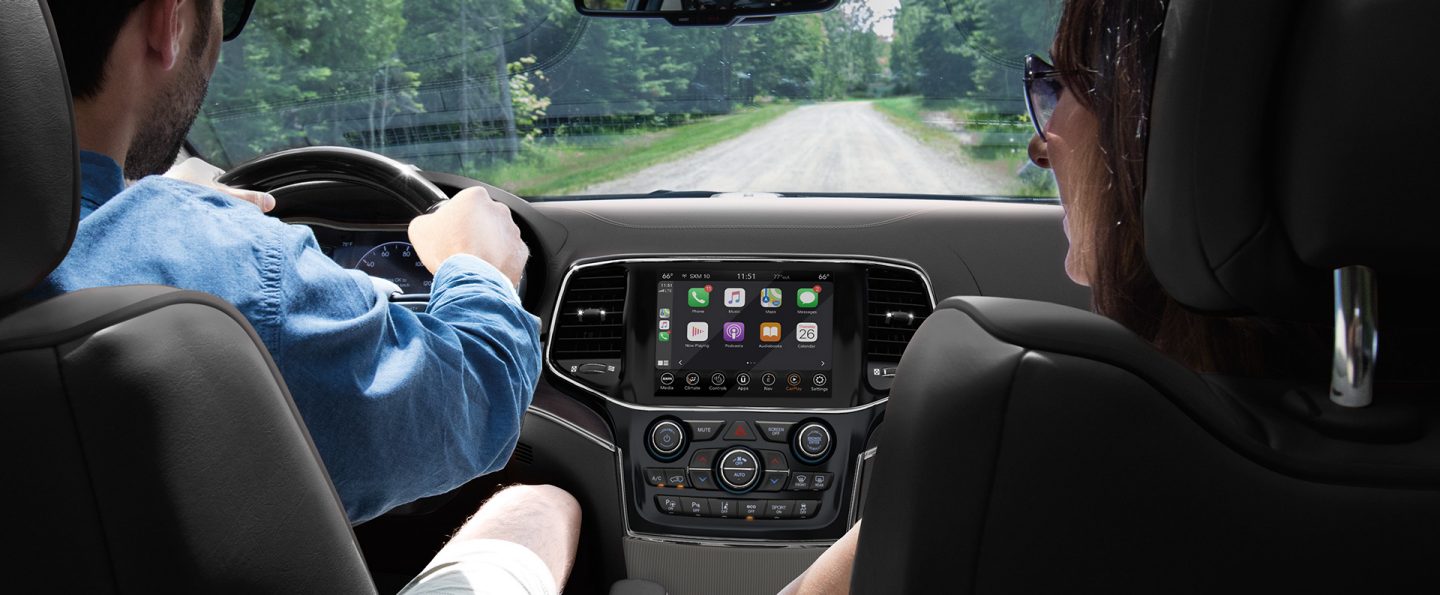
(744,392)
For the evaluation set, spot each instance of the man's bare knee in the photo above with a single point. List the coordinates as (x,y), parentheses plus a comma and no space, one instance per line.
(543,518)
(545,505)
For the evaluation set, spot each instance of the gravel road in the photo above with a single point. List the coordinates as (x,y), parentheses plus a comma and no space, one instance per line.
(827,147)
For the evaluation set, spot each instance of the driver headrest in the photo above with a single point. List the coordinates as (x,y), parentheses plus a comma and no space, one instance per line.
(1288,139)
(39,162)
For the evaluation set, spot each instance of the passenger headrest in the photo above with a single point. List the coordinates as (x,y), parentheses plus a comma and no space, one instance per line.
(39,162)
(1288,139)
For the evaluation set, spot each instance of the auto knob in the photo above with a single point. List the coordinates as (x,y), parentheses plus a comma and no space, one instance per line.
(739,469)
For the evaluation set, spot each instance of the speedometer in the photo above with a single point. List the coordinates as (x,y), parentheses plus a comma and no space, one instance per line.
(398,263)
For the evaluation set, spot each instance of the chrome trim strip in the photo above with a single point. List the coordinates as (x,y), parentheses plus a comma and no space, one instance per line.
(400,227)
(565,423)
(855,489)
(808,259)
(1357,338)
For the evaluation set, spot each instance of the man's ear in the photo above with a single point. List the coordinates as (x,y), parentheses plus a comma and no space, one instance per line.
(164,30)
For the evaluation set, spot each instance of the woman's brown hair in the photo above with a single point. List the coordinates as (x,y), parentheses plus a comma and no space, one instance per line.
(1107,52)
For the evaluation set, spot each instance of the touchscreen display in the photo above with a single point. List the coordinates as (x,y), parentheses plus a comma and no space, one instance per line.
(744,333)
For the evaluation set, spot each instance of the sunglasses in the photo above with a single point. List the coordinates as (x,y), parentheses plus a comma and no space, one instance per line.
(1042,92)
(236,12)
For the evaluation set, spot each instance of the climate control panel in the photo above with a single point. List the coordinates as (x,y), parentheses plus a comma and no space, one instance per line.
(722,473)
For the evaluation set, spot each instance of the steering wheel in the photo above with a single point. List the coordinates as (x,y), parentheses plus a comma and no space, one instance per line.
(310,167)
(289,168)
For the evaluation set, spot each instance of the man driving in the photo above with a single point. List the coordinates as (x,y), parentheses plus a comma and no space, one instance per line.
(400,405)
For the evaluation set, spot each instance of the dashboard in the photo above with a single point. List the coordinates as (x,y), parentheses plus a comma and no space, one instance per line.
(714,390)
(745,388)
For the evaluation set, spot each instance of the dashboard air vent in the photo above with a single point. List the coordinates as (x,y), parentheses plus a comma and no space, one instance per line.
(897,301)
(588,339)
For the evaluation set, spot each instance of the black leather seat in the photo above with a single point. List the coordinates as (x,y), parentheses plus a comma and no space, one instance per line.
(1035,448)
(150,444)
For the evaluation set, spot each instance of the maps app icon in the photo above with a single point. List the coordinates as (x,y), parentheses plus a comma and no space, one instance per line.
(770,297)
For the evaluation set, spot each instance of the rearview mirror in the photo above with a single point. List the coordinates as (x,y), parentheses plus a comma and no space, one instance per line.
(717,13)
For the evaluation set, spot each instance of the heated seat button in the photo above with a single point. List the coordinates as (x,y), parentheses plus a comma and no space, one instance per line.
(701,479)
(748,508)
(804,509)
(774,431)
(701,431)
(724,508)
(655,476)
(773,481)
(695,506)
(779,509)
(740,431)
(668,504)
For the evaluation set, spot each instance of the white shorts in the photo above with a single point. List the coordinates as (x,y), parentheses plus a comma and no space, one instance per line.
(485,566)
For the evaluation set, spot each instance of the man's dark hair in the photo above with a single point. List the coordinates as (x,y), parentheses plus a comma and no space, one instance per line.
(87,31)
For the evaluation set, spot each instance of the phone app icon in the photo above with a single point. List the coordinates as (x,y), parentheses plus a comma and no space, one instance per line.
(735,297)
(734,332)
(807,297)
(698,297)
(771,297)
(664,312)
(769,332)
(807,332)
(664,325)
(664,336)
(697,332)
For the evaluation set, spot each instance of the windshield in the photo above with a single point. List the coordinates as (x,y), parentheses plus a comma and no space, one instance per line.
(882,97)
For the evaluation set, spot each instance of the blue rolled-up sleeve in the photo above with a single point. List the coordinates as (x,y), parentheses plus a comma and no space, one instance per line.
(401,405)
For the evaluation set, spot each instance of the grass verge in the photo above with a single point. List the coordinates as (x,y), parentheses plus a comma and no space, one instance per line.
(558,169)
(996,141)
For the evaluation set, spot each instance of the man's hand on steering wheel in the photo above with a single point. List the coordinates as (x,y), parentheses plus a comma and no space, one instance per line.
(471,223)
(197,171)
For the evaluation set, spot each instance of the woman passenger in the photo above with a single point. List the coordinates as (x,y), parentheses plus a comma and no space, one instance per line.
(1091,114)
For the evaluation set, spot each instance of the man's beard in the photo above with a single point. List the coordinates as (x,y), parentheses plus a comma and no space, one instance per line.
(158,142)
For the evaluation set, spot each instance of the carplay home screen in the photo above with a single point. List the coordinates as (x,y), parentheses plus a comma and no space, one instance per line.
(744,333)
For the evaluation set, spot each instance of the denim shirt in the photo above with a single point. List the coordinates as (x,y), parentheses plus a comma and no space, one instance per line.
(401,405)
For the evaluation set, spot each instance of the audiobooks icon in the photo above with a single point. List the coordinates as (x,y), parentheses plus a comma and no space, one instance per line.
(769,332)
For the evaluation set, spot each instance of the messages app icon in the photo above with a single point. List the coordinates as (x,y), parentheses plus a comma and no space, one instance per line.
(698,297)
(807,298)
